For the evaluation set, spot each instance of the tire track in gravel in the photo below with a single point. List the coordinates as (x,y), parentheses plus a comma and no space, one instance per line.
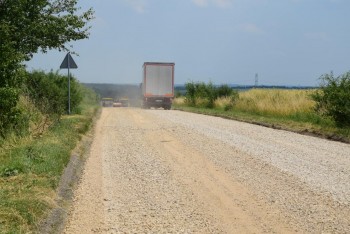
(87,212)
(153,171)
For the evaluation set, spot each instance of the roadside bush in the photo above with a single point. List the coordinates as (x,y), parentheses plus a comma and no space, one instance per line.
(49,91)
(12,119)
(75,92)
(224,91)
(190,94)
(233,97)
(333,98)
(206,95)
(11,76)
(45,93)
(44,99)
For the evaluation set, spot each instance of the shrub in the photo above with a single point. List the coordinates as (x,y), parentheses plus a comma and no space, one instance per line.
(202,94)
(333,98)
(224,91)
(190,93)
(50,92)
(234,96)
(75,93)
(205,94)
(45,93)
(11,118)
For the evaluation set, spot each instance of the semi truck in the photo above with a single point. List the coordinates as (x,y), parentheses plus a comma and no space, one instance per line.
(158,85)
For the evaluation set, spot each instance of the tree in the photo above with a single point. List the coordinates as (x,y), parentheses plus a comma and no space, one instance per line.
(30,25)
(27,27)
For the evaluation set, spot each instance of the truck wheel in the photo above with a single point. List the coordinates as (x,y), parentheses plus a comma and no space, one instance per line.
(144,106)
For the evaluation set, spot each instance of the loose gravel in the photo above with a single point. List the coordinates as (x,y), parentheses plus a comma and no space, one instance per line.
(156,171)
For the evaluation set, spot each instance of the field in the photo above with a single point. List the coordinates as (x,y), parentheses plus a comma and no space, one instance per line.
(279,108)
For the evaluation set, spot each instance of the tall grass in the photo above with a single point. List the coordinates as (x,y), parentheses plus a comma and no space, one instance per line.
(31,167)
(272,101)
(287,109)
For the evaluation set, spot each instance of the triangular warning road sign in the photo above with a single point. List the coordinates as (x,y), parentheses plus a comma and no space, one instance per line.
(68,62)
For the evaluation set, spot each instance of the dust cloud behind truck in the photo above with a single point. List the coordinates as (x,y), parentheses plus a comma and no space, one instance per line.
(158,85)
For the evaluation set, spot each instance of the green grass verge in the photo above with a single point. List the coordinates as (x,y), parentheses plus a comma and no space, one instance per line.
(31,168)
(305,123)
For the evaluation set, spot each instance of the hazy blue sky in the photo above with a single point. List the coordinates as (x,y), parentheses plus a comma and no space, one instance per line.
(287,42)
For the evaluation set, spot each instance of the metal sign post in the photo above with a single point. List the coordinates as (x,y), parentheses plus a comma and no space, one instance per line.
(68,63)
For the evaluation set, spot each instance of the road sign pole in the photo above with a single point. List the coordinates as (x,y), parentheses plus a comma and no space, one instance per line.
(68,88)
(68,63)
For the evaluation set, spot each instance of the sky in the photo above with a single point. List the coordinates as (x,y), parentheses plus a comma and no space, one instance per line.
(285,42)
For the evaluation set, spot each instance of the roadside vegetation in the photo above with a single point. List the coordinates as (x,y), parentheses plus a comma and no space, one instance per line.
(32,158)
(324,111)
(36,137)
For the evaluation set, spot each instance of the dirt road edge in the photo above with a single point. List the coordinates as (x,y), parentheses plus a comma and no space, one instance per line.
(306,132)
(57,217)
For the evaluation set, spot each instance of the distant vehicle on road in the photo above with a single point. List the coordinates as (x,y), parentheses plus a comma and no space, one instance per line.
(158,85)
(107,102)
(124,101)
(121,102)
(117,104)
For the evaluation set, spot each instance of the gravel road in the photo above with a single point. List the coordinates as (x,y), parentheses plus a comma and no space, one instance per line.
(156,171)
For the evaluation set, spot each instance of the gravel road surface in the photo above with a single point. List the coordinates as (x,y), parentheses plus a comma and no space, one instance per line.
(157,171)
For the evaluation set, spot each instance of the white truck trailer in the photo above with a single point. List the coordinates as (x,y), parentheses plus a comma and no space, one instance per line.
(158,85)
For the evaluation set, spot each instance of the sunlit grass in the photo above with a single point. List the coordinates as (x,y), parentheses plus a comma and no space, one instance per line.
(31,167)
(179,101)
(265,101)
(275,101)
(288,109)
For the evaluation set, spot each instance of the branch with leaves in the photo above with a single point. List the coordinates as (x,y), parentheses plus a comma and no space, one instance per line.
(30,26)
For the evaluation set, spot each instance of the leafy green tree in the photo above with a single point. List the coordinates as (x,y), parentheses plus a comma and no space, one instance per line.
(27,27)
(30,25)
(333,98)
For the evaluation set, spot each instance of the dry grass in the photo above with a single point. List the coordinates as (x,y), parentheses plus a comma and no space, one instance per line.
(179,100)
(222,102)
(275,101)
(265,101)
(287,109)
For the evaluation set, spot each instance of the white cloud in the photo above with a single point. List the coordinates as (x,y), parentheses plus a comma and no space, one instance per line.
(251,28)
(218,3)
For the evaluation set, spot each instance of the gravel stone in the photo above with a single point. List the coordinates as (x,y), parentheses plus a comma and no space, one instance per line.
(156,171)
